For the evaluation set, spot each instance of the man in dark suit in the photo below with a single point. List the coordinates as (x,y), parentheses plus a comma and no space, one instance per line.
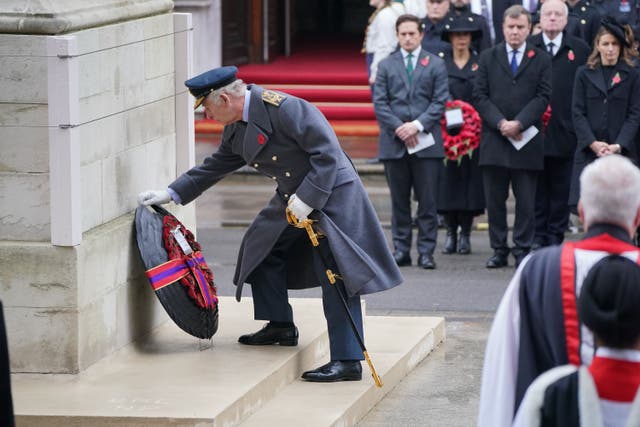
(511,92)
(493,11)
(409,98)
(552,193)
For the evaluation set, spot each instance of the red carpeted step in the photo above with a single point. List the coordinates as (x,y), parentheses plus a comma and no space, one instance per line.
(341,127)
(346,111)
(326,93)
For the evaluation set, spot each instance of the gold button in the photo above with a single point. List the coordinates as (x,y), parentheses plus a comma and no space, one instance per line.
(255,165)
(286,196)
(273,177)
(274,158)
(287,174)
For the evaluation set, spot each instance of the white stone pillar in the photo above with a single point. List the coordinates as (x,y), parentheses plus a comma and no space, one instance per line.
(64,148)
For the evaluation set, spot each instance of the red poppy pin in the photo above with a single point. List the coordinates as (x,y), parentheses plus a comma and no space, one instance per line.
(425,61)
(615,80)
(571,56)
(531,54)
(261,139)
(474,66)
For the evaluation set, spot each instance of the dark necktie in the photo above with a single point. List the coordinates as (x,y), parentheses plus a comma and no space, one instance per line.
(514,62)
(550,48)
(409,65)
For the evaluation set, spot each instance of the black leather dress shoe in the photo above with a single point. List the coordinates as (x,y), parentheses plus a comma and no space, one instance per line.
(336,370)
(497,261)
(270,334)
(402,258)
(426,261)
(519,257)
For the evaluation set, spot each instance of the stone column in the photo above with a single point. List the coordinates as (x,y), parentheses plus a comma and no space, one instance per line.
(91,103)
(207,37)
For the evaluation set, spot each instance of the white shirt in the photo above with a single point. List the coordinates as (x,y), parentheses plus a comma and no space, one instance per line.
(519,55)
(557,41)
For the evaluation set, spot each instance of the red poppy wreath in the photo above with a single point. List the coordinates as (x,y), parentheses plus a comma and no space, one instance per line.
(468,138)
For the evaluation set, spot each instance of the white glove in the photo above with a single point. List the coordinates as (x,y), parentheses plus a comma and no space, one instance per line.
(299,208)
(154,197)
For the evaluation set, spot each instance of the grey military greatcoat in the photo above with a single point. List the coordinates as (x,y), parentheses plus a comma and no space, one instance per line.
(289,140)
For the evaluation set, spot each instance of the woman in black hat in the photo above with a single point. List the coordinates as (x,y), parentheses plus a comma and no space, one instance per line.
(606,105)
(607,393)
(460,193)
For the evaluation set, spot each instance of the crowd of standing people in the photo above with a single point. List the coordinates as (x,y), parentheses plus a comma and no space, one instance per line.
(554,86)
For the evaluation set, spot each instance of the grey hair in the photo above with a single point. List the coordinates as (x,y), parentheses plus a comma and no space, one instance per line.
(610,191)
(566,8)
(235,88)
(515,12)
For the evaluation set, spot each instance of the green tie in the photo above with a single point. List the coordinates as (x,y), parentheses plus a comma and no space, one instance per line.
(409,65)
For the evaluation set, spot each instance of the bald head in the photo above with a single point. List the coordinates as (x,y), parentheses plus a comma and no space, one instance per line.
(553,17)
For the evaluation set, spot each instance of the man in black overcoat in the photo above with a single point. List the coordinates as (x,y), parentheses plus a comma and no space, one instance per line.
(511,92)
(567,54)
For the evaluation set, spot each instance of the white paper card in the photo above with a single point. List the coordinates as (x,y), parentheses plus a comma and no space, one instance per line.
(453,117)
(425,140)
(527,136)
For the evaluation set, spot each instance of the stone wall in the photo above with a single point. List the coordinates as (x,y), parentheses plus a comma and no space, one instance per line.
(87,121)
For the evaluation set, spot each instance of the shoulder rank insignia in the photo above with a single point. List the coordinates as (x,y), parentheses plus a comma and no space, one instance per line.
(273,98)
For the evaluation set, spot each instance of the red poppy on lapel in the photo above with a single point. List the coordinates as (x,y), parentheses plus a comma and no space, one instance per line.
(531,54)
(261,139)
(571,56)
(615,80)
(425,61)
(474,66)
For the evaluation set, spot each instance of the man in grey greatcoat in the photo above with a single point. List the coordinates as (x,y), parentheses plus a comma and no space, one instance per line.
(288,140)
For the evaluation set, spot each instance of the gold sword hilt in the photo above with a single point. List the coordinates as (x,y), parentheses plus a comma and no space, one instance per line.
(306,224)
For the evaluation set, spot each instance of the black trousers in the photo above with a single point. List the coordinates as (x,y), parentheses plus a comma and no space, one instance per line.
(421,175)
(496,189)
(552,201)
(271,297)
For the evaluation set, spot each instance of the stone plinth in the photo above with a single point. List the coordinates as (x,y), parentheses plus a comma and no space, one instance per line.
(65,16)
(87,121)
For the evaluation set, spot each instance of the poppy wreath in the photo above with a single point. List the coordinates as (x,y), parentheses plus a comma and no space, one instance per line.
(546,116)
(468,138)
(204,298)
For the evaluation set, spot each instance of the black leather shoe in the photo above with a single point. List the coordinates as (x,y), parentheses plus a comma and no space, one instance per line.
(336,370)
(498,260)
(464,245)
(270,334)
(402,258)
(426,261)
(519,257)
(450,244)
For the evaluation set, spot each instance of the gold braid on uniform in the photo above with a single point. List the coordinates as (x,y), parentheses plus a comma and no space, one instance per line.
(273,98)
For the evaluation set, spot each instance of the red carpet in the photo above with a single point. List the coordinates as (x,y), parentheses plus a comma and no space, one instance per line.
(314,62)
(330,74)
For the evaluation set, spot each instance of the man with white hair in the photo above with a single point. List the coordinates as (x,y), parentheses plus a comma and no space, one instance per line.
(289,141)
(537,326)
(552,192)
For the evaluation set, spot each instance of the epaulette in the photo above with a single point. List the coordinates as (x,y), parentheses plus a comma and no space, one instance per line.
(273,98)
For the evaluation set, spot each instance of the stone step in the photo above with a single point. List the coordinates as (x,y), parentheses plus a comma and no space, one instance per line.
(173,379)
(395,344)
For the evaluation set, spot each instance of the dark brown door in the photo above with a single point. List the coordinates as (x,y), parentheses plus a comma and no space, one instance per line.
(236,34)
